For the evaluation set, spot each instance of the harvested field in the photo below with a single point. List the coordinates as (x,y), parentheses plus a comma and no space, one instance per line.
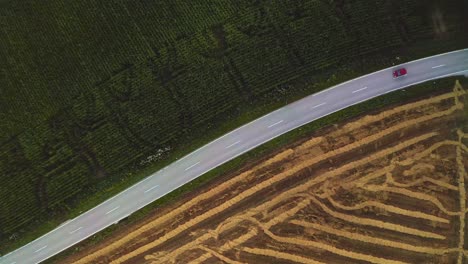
(385,188)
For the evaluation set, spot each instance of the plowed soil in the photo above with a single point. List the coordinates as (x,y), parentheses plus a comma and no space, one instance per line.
(384,188)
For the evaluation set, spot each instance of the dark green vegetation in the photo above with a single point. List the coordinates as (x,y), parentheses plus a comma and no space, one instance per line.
(91,89)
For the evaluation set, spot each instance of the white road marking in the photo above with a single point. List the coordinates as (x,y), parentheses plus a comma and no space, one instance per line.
(439,77)
(272,125)
(75,230)
(122,218)
(313,107)
(147,178)
(192,166)
(156,186)
(66,222)
(315,94)
(438,66)
(127,215)
(233,144)
(358,90)
(40,249)
(113,210)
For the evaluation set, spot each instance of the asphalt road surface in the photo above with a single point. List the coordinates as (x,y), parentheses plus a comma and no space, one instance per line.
(232,145)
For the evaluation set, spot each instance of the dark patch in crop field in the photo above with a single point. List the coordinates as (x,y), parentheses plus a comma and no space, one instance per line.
(165,67)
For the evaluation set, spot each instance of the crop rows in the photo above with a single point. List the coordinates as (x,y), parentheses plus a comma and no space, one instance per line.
(93,87)
(15,190)
(176,20)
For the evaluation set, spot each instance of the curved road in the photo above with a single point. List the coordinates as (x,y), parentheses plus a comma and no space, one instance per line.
(232,145)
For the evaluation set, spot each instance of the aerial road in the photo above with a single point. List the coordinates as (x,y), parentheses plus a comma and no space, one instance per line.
(234,144)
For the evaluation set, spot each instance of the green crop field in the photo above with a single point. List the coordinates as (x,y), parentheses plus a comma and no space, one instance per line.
(91,89)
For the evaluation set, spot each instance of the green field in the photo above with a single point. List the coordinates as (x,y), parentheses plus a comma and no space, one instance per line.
(90,89)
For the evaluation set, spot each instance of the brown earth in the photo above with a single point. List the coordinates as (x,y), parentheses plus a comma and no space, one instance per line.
(385,188)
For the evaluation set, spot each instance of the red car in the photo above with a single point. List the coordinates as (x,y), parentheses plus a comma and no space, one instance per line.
(399,72)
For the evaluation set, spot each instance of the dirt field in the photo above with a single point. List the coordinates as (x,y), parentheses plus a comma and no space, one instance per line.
(385,188)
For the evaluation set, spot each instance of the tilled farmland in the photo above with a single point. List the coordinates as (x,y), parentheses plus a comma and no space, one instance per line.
(384,188)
